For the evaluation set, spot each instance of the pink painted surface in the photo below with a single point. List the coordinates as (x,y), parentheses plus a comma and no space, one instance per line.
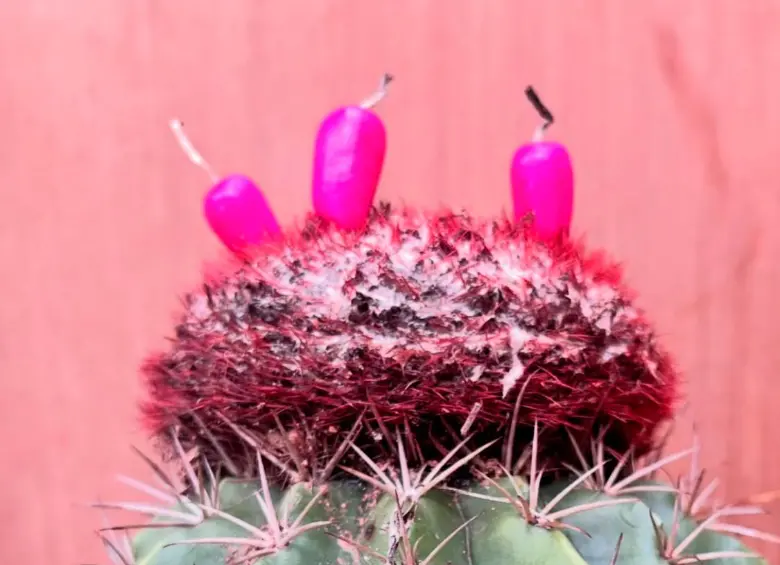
(670,110)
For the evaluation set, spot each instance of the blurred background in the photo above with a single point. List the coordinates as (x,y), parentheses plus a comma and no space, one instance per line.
(670,110)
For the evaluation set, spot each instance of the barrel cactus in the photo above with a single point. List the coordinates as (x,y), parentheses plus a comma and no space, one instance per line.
(429,389)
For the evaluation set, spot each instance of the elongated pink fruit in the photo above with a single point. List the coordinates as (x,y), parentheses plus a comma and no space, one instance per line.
(239,214)
(235,208)
(349,154)
(543,180)
(543,185)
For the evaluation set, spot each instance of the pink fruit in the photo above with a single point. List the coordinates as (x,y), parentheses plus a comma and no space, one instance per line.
(543,186)
(235,208)
(239,214)
(349,154)
(543,180)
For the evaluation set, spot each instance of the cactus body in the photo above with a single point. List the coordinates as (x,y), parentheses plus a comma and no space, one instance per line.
(476,523)
(431,390)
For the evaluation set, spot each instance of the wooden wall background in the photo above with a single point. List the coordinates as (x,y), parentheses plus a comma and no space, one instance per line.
(671,110)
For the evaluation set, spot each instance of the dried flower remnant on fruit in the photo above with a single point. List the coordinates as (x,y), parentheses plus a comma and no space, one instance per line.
(413,321)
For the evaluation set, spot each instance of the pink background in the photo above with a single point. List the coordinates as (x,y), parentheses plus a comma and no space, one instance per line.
(671,110)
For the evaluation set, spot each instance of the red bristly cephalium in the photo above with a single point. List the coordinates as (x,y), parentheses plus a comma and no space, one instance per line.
(431,322)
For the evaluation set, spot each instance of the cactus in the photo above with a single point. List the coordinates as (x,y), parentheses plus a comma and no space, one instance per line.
(429,390)
(398,514)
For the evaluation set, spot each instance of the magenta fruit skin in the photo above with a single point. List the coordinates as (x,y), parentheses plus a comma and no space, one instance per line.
(238,213)
(542,181)
(349,154)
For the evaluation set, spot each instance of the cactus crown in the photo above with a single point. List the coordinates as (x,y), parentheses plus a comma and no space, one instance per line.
(428,322)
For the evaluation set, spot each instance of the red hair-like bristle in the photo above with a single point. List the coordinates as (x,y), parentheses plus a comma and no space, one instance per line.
(419,320)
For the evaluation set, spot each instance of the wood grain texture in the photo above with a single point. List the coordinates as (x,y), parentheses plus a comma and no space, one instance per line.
(670,110)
